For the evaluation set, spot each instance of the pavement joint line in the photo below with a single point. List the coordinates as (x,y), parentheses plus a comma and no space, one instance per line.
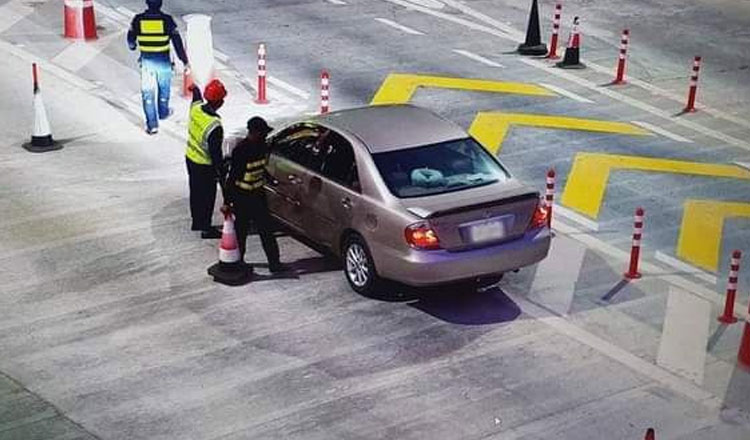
(398,26)
(337,2)
(13,12)
(516,36)
(563,92)
(639,104)
(620,355)
(686,267)
(658,130)
(114,14)
(650,269)
(478,58)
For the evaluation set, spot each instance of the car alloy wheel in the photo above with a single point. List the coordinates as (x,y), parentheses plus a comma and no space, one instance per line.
(357,265)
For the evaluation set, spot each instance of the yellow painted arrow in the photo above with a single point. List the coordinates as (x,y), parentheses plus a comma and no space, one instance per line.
(490,128)
(398,88)
(702,229)
(589,175)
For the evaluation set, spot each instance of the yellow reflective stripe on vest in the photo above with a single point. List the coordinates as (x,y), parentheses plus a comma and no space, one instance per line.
(152,36)
(254,177)
(249,186)
(199,128)
(152,27)
(257,163)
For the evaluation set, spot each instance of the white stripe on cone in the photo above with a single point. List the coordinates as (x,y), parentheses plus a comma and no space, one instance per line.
(229,252)
(41,123)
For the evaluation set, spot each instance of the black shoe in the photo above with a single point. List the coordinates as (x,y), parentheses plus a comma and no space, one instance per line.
(278,268)
(211,233)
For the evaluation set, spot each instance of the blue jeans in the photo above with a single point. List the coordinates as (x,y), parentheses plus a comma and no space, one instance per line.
(155,74)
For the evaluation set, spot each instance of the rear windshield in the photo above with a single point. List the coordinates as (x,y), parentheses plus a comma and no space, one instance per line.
(439,168)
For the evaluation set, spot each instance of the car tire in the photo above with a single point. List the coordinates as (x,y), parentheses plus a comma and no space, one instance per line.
(359,267)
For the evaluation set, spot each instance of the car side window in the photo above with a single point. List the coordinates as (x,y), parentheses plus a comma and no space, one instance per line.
(339,164)
(301,144)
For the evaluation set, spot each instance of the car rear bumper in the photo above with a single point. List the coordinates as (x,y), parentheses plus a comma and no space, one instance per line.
(423,268)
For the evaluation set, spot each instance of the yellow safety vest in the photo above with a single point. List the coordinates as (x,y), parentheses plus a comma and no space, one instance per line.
(199,128)
(254,177)
(152,36)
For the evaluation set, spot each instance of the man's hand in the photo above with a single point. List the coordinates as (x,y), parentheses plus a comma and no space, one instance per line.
(225,209)
(187,70)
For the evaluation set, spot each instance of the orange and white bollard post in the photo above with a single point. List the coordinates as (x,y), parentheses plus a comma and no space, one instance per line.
(324,92)
(80,19)
(635,251)
(552,54)
(734,268)
(261,98)
(690,107)
(549,196)
(624,41)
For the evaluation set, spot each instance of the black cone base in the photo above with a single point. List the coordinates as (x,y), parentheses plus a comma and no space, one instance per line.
(231,274)
(571,60)
(41,144)
(536,50)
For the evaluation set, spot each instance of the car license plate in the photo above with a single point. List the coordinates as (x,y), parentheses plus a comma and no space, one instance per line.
(493,229)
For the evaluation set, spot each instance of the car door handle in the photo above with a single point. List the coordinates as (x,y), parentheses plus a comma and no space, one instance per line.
(346,202)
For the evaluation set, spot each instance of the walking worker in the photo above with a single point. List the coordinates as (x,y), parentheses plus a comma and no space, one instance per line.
(245,193)
(204,156)
(152,31)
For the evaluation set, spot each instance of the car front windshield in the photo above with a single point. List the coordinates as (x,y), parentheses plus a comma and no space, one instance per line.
(438,168)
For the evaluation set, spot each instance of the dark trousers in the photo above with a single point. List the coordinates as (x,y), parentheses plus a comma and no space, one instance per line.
(203,181)
(253,209)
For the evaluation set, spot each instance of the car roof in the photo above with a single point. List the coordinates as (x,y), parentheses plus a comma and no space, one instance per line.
(393,127)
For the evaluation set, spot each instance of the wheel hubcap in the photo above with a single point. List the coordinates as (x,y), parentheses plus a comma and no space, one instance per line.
(357,268)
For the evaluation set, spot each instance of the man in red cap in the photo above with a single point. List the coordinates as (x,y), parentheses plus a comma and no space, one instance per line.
(204,156)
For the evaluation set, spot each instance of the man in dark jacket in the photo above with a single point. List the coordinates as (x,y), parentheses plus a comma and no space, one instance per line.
(245,193)
(151,32)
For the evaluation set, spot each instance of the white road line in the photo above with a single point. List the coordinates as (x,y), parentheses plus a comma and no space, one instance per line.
(400,27)
(79,53)
(337,2)
(451,18)
(556,276)
(47,66)
(511,33)
(685,267)
(566,93)
(576,217)
(13,12)
(661,131)
(476,57)
(221,56)
(114,15)
(288,87)
(684,337)
(129,13)
(745,165)
(638,104)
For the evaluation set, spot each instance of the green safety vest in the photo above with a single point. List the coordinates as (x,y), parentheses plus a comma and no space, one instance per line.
(199,128)
(152,36)
(254,177)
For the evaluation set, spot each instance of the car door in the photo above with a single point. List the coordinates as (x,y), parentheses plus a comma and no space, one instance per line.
(332,196)
(289,154)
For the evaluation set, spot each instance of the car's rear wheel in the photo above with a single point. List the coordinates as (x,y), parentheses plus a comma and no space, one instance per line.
(359,267)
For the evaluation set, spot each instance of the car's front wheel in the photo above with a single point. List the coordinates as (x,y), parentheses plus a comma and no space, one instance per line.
(359,267)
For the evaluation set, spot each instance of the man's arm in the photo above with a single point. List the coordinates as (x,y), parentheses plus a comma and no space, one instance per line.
(196,94)
(174,35)
(132,34)
(215,142)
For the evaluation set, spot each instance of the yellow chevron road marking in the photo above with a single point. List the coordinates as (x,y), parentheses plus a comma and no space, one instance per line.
(589,175)
(398,88)
(490,128)
(702,228)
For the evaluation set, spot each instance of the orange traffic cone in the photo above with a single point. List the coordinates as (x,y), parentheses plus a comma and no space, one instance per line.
(650,434)
(230,269)
(572,58)
(80,20)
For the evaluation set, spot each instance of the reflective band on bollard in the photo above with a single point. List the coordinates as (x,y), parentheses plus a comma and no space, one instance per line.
(635,251)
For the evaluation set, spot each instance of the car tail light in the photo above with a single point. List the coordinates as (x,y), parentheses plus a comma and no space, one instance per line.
(421,236)
(539,219)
